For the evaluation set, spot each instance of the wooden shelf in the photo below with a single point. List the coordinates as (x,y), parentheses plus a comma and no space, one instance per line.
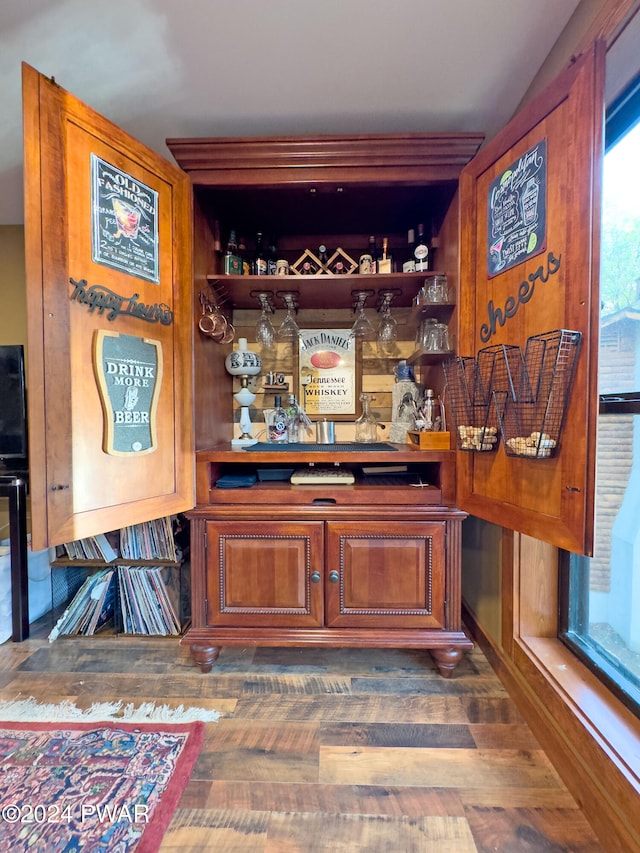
(423,356)
(318,291)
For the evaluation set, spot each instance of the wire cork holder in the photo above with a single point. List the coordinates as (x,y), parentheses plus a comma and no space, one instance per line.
(470,382)
(532,409)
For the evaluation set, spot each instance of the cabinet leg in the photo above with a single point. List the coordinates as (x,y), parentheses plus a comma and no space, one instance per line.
(205,656)
(446,659)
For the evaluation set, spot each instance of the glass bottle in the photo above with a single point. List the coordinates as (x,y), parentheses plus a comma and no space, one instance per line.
(431,411)
(293,420)
(277,428)
(421,251)
(259,258)
(410,264)
(373,251)
(232,262)
(385,261)
(242,253)
(272,261)
(366,424)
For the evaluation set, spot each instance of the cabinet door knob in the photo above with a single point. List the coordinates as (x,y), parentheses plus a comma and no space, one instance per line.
(315,577)
(334,577)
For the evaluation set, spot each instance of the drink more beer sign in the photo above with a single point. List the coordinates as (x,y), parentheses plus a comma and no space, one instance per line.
(129,375)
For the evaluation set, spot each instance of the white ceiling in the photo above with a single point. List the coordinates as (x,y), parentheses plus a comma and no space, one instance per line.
(171,68)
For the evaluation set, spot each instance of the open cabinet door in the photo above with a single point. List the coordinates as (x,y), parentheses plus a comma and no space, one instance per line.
(530,267)
(108,256)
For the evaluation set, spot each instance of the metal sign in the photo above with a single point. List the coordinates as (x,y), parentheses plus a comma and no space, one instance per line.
(124,222)
(129,375)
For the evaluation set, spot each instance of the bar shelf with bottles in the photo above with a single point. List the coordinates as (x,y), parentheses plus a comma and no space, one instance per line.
(320,289)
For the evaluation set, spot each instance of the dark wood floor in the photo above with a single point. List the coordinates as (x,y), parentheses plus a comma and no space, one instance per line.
(329,749)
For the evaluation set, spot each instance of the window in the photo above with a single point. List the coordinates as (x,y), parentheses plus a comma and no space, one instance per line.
(600,609)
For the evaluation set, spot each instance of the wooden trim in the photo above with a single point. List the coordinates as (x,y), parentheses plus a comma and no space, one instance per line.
(608,23)
(267,161)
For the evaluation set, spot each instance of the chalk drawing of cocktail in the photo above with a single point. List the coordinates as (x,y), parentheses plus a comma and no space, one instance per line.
(530,202)
(127,218)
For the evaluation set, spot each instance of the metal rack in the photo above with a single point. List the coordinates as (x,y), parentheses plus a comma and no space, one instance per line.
(533,409)
(520,398)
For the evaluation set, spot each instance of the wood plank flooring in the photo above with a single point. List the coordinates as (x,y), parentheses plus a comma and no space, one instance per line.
(320,750)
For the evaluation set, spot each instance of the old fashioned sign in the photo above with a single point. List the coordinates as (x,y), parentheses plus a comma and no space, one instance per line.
(517,206)
(124,221)
(129,375)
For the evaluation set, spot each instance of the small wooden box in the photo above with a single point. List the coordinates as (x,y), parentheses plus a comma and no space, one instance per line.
(427,440)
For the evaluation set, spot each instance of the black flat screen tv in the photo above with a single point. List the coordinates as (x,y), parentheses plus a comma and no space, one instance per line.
(13,410)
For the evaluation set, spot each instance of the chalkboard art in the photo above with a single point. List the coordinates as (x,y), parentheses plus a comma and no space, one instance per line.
(125,222)
(517,207)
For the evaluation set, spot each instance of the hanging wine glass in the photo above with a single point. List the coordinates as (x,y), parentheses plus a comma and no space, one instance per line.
(265,331)
(289,329)
(362,327)
(388,326)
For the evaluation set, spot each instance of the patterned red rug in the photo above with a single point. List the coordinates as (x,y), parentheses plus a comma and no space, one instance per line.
(97,787)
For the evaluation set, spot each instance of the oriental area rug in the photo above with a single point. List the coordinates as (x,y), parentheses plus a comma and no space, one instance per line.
(94,786)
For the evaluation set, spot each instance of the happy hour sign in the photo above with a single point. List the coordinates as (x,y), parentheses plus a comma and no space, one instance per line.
(124,221)
(517,207)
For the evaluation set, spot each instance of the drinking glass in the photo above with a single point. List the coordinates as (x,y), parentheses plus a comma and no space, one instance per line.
(289,329)
(387,331)
(265,332)
(362,327)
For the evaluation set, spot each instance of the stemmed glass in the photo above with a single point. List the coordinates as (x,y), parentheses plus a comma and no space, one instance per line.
(289,329)
(265,331)
(362,327)
(388,326)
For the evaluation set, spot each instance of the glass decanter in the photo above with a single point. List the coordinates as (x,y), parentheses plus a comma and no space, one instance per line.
(366,424)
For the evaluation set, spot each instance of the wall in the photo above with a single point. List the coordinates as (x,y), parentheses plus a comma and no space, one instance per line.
(13,317)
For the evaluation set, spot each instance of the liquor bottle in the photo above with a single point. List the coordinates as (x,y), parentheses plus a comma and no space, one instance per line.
(277,431)
(338,267)
(385,261)
(232,261)
(242,251)
(410,264)
(373,251)
(293,420)
(259,258)
(272,260)
(368,258)
(323,256)
(421,251)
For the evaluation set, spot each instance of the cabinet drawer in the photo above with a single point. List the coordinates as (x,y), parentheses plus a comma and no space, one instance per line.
(385,575)
(261,574)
